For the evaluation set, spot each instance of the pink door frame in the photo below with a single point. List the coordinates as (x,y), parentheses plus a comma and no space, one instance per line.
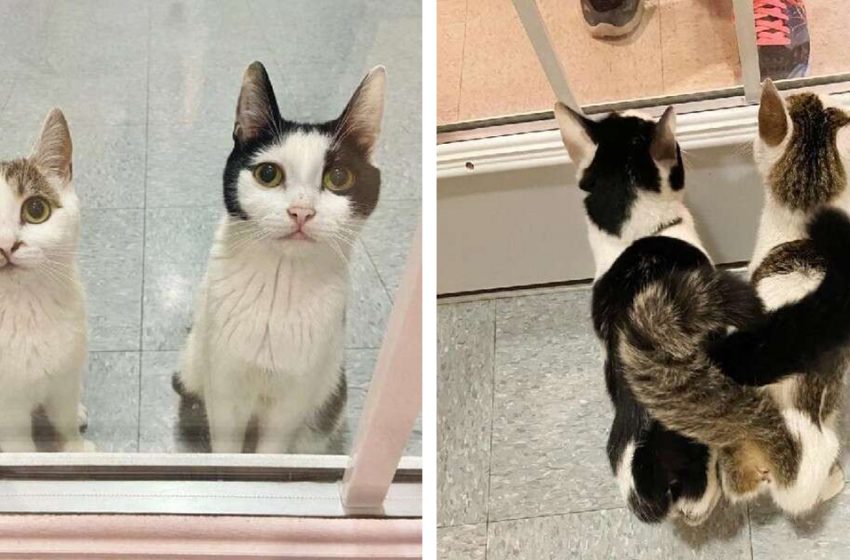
(395,396)
(132,537)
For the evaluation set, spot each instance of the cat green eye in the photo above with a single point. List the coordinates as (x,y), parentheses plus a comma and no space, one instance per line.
(338,179)
(268,175)
(36,210)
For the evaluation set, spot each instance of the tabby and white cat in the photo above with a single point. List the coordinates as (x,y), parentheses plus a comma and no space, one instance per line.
(780,438)
(264,358)
(42,307)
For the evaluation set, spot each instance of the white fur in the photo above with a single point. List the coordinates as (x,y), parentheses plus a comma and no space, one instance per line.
(649,211)
(819,446)
(781,289)
(42,322)
(268,332)
(625,480)
(694,512)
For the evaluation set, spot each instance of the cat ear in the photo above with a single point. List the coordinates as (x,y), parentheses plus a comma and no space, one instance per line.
(52,151)
(256,110)
(575,132)
(361,119)
(663,147)
(773,117)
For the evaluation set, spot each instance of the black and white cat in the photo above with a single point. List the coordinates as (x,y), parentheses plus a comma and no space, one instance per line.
(265,355)
(42,303)
(639,230)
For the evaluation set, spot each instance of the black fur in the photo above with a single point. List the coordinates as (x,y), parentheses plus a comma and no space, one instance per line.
(193,431)
(622,165)
(798,334)
(666,465)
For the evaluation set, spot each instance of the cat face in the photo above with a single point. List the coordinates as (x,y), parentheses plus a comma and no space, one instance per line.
(298,186)
(802,149)
(623,161)
(39,211)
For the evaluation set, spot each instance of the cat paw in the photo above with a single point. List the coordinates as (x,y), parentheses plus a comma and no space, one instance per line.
(82,417)
(834,484)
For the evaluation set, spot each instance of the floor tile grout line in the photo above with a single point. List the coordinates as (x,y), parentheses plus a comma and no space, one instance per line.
(490,446)
(460,78)
(377,272)
(144,227)
(12,87)
(541,516)
(750,531)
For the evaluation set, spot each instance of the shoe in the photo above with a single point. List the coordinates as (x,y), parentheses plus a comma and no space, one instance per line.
(782,37)
(612,18)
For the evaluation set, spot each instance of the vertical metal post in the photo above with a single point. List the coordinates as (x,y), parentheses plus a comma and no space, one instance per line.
(538,34)
(745,29)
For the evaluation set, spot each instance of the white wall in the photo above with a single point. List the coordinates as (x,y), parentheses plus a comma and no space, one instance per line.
(525,227)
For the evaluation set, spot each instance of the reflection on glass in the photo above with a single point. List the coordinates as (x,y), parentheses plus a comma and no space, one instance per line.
(150,92)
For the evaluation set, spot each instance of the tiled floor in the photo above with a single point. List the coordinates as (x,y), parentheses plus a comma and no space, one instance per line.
(523,418)
(149,90)
(487,66)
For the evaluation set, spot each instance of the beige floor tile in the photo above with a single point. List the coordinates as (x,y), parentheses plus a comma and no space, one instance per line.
(828,30)
(449,63)
(606,70)
(698,45)
(451,11)
(501,74)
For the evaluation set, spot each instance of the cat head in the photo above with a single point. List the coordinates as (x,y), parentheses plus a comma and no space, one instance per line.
(802,148)
(621,160)
(295,185)
(39,211)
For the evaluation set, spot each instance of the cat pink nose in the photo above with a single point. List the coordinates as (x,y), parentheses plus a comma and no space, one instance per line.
(301,214)
(8,249)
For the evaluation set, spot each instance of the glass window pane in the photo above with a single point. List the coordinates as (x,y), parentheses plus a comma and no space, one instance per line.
(488,69)
(676,47)
(149,92)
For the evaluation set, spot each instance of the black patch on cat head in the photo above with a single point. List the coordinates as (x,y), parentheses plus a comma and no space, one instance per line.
(622,165)
(265,127)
